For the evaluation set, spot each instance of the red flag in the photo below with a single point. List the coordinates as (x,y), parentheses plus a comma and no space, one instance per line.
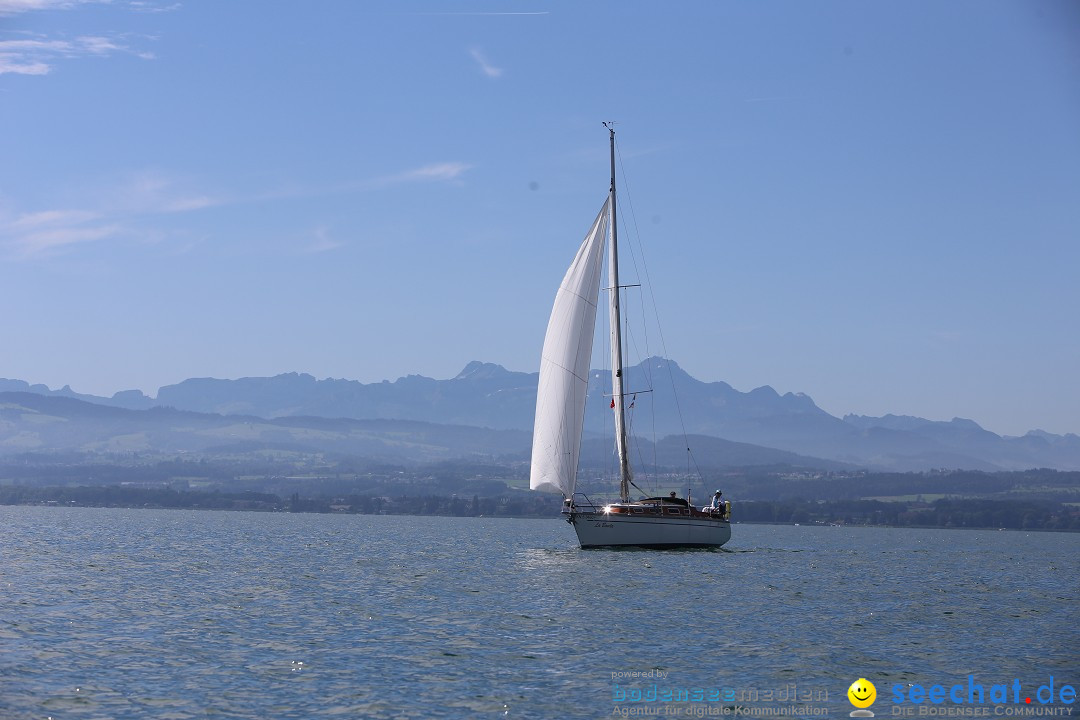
(612,403)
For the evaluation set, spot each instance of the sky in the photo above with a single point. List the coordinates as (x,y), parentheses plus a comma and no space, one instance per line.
(875,204)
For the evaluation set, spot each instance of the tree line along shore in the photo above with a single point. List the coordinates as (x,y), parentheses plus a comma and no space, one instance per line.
(919,512)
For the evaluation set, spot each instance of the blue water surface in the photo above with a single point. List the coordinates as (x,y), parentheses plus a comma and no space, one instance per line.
(112,613)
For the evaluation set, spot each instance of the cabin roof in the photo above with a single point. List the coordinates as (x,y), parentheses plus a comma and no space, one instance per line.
(668,500)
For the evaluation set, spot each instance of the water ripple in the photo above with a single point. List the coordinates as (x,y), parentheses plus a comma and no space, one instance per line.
(177,615)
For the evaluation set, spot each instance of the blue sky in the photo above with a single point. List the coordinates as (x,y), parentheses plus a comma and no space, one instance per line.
(877,204)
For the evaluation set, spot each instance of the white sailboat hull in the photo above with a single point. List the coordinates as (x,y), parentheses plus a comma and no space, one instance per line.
(608,530)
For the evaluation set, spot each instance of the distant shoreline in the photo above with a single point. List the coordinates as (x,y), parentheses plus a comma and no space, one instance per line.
(1044,517)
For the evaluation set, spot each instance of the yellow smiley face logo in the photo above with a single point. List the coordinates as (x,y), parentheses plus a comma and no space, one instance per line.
(862,693)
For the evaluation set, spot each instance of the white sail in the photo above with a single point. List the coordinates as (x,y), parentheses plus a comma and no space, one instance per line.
(564,367)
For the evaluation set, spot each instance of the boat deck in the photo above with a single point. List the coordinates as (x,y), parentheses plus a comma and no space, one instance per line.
(653,507)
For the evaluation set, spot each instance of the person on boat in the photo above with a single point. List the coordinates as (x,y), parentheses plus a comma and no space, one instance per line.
(717,501)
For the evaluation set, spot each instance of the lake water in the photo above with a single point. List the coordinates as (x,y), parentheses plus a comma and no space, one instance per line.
(108,613)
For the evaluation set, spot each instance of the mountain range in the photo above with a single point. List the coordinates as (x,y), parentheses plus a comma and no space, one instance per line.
(666,401)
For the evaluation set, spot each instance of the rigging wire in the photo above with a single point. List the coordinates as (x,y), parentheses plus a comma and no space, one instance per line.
(663,342)
(607,472)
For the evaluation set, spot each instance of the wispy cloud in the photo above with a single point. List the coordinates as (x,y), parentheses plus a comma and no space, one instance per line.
(43,233)
(51,218)
(117,210)
(440,171)
(20,66)
(153,193)
(436,172)
(14,7)
(321,242)
(485,67)
(448,172)
(38,55)
(45,241)
(134,208)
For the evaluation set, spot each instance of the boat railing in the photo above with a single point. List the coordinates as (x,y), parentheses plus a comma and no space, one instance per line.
(582,503)
(585,505)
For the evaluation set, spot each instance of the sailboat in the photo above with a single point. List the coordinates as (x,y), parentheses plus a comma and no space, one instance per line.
(663,522)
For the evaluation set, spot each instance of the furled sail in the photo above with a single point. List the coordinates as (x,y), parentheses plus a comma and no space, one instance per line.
(564,367)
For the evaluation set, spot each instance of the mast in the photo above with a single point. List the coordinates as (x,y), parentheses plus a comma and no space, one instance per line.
(616,342)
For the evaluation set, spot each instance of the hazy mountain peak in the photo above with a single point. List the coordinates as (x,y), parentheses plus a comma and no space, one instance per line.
(800,399)
(911,423)
(130,395)
(657,363)
(477,370)
(1041,433)
(1068,438)
(967,424)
